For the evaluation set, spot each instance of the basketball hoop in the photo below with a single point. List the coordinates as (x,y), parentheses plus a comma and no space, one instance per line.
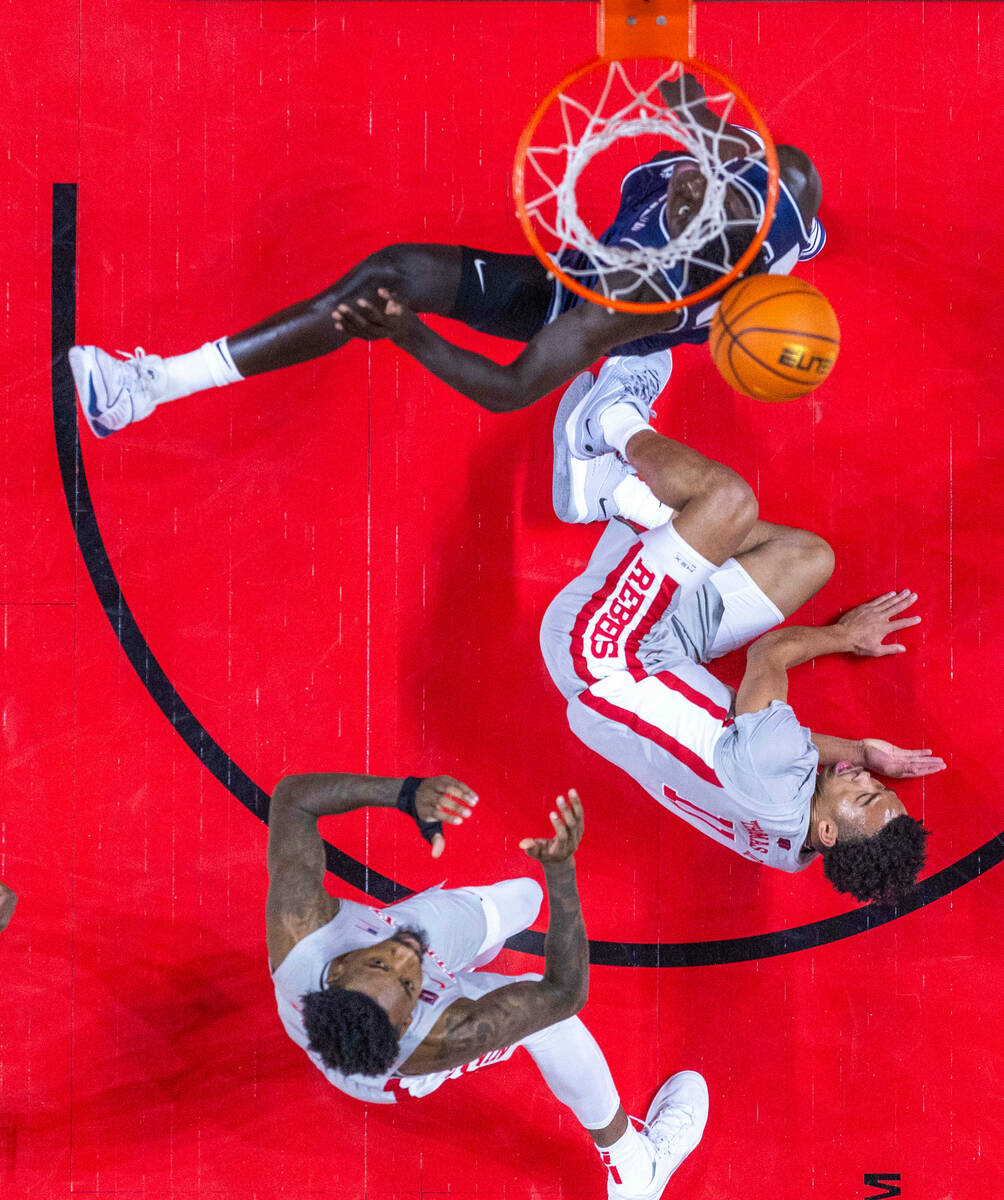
(634,99)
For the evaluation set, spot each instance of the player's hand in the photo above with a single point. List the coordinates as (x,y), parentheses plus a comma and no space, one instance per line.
(866,626)
(371,320)
(886,759)
(443,798)
(684,89)
(568,823)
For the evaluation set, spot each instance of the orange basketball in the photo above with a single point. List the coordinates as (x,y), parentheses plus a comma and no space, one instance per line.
(774,337)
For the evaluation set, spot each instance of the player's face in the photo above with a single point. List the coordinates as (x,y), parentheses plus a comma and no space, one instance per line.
(685,195)
(389,973)
(859,803)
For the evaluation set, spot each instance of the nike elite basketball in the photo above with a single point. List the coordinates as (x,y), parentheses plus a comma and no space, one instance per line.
(774,337)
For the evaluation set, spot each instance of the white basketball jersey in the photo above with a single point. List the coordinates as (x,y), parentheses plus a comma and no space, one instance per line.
(356,926)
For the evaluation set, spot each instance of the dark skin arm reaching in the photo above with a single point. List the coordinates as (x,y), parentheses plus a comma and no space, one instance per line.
(686,94)
(559,351)
(470,1028)
(297,902)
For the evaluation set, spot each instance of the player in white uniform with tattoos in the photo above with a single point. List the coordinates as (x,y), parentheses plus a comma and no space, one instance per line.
(686,574)
(388,1003)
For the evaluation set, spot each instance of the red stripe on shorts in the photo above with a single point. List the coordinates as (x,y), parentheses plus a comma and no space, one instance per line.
(589,610)
(660,602)
(645,729)
(676,684)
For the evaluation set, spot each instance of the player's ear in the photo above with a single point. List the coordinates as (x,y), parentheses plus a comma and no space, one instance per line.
(336,970)
(826,832)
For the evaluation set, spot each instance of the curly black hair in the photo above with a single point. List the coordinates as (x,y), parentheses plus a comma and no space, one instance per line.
(882,867)
(350,1031)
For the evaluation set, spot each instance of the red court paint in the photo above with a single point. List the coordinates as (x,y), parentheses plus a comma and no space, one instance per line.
(344,566)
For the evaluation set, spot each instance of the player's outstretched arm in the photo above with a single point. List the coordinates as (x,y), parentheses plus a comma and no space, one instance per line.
(560,350)
(685,93)
(883,758)
(297,902)
(861,631)
(470,1028)
(8,902)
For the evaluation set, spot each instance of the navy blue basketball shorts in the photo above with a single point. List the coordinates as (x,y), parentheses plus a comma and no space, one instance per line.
(506,295)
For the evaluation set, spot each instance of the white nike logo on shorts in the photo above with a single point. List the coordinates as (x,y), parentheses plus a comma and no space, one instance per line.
(479,264)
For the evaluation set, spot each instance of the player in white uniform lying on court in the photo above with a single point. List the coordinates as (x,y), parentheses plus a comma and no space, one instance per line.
(387,1001)
(694,576)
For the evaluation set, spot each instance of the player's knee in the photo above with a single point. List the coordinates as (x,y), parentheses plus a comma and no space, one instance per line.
(820,558)
(735,501)
(809,557)
(386,268)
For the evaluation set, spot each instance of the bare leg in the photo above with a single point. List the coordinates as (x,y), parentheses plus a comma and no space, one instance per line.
(715,507)
(789,565)
(610,1133)
(426,277)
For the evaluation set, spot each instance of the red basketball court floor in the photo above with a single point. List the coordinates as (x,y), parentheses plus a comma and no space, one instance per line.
(343,567)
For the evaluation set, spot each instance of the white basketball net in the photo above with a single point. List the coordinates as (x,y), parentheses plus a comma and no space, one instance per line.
(626,111)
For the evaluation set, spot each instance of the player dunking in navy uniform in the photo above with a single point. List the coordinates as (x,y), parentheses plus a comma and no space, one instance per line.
(685,574)
(508,295)
(389,1005)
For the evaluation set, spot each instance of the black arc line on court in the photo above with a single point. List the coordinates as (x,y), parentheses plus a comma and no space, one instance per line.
(244,789)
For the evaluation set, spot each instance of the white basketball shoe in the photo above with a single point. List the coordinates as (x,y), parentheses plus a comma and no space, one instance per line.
(634,380)
(674,1126)
(114,393)
(582,488)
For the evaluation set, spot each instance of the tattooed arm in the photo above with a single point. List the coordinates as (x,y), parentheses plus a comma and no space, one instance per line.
(297,901)
(469,1028)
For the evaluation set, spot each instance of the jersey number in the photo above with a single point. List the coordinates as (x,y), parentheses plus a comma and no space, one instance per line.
(721,825)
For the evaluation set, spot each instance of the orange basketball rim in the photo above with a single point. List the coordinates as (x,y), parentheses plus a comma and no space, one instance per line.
(635,30)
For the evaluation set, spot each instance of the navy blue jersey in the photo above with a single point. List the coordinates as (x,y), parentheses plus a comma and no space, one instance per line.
(641,222)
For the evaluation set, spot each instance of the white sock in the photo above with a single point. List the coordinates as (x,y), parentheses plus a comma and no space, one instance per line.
(209,366)
(630,1160)
(636,501)
(620,422)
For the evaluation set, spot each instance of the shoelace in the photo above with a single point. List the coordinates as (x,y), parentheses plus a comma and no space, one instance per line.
(144,375)
(644,386)
(676,1118)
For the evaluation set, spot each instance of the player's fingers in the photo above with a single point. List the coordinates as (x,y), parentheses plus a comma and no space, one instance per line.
(904,623)
(451,810)
(899,602)
(372,314)
(349,319)
(576,805)
(532,847)
(438,845)
(928,766)
(453,787)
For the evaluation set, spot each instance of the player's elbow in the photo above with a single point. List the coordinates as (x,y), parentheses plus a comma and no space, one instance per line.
(769,649)
(511,388)
(569,997)
(284,793)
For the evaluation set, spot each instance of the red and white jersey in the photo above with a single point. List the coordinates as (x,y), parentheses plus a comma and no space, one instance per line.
(444,980)
(626,642)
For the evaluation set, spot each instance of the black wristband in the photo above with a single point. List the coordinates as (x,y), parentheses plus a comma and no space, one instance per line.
(406,803)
